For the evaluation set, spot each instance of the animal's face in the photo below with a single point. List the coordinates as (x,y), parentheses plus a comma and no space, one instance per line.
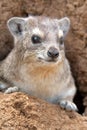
(41,37)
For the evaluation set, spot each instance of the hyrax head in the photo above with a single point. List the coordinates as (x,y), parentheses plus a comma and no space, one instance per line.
(42,38)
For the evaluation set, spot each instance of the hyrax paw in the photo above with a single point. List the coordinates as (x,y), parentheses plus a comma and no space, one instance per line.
(11,90)
(68,105)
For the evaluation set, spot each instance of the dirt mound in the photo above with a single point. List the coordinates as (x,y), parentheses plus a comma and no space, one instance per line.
(21,112)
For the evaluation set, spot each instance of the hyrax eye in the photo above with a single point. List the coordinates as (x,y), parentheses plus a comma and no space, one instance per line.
(35,39)
(61,41)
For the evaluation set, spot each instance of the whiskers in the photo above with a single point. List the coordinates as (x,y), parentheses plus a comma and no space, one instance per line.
(39,51)
(33,54)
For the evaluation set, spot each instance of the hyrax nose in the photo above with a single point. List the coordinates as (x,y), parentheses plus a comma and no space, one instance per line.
(53,52)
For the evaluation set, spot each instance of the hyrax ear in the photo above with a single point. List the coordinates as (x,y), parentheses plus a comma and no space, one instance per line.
(16,26)
(64,25)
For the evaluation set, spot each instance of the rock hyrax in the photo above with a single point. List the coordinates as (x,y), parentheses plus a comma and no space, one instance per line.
(37,64)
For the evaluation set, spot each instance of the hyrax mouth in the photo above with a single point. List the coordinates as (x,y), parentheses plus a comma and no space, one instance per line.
(52,55)
(52,60)
(49,60)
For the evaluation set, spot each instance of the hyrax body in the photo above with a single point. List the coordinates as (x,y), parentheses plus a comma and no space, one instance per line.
(37,64)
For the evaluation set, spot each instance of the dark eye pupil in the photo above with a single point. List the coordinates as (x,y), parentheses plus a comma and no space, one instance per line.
(36,39)
(61,41)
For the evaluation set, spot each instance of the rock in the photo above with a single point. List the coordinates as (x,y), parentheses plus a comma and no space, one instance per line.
(85,104)
(22,112)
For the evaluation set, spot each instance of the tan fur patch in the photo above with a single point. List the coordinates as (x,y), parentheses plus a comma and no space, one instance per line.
(44,72)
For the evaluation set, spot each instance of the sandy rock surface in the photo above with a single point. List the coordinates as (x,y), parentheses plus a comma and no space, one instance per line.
(21,112)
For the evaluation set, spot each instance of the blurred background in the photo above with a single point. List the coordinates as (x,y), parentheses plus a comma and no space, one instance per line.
(76,41)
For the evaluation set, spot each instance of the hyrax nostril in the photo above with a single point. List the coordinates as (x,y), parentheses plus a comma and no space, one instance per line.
(53,52)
